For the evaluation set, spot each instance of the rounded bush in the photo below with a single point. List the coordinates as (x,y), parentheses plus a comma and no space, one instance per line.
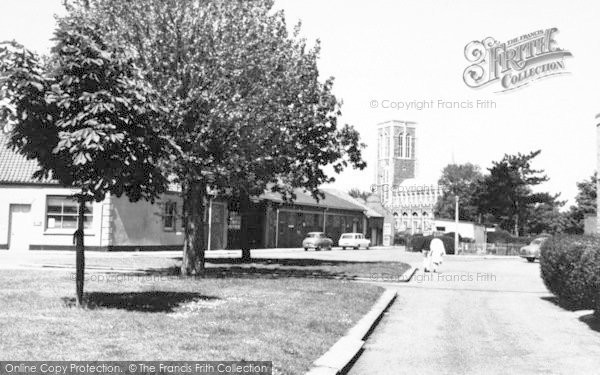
(570,268)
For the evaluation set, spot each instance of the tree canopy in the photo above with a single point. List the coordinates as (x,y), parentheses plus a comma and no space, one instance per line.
(504,196)
(247,108)
(585,204)
(460,180)
(506,193)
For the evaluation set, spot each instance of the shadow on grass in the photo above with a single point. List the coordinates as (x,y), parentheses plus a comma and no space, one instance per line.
(556,301)
(252,272)
(288,262)
(592,321)
(287,268)
(291,262)
(138,301)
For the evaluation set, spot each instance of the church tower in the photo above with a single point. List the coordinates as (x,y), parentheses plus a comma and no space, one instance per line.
(396,155)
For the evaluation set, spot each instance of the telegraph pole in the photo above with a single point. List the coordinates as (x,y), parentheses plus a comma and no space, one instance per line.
(456,224)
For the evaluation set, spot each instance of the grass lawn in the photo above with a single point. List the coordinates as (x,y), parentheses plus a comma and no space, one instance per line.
(287,311)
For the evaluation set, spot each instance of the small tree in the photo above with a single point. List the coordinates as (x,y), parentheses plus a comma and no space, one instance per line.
(357,193)
(87,117)
(462,180)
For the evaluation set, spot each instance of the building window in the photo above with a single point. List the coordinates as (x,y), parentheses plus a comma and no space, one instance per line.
(170,215)
(386,145)
(235,220)
(398,142)
(409,144)
(417,225)
(61,213)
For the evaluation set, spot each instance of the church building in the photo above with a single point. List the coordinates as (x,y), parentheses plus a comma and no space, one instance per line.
(409,199)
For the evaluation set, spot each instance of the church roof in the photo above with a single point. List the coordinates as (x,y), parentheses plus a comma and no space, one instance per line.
(419,182)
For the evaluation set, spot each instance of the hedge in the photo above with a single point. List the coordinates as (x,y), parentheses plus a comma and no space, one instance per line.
(502,236)
(570,268)
(419,243)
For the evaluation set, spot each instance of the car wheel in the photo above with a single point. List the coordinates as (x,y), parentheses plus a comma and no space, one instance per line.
(329,247)
(367,248)
(343,247)
(356,247)
(317,248)
(531,260)
(306,249)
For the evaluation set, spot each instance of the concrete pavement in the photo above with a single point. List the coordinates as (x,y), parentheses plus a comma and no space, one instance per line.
(479,316)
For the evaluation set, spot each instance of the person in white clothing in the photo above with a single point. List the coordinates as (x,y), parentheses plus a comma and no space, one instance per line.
(426,260)
(436,254)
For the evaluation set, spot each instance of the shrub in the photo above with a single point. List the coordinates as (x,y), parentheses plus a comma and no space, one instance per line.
(499,235)
(448,240)
(570,268)
(402,238)
(418,243)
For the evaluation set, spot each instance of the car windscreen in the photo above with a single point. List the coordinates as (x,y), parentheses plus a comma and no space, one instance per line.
(346,236)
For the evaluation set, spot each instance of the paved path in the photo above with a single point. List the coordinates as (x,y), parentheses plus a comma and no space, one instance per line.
(479,317)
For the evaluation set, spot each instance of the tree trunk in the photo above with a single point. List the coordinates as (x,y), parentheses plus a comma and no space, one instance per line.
(194,196)
(245,216)
(79,253)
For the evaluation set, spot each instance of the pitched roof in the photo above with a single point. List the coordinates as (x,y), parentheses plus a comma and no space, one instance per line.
(305,199)
(369,212)
(15,168)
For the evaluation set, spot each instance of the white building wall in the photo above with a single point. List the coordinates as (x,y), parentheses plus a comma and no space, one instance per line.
(465,229)
(40,236)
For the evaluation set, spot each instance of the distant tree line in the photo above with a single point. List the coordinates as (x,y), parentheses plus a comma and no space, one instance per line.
(506,196)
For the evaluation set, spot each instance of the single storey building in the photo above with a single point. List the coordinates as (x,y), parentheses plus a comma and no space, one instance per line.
(40,215)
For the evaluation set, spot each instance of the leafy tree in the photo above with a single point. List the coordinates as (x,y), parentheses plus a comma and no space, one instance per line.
(357,193)
(506,193)
(86,117)
(546,217)
(462,180)
(247,108)
(585,204)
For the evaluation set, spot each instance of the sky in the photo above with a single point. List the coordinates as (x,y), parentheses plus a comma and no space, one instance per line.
(413,50)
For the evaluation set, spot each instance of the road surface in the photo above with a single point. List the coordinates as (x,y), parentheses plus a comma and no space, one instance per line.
(480,316)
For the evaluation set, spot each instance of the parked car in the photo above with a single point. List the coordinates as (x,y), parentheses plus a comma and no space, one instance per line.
(354,240)
(317,241)
(531,252)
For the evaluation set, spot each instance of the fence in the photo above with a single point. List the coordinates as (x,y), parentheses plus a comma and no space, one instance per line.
(490,248)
